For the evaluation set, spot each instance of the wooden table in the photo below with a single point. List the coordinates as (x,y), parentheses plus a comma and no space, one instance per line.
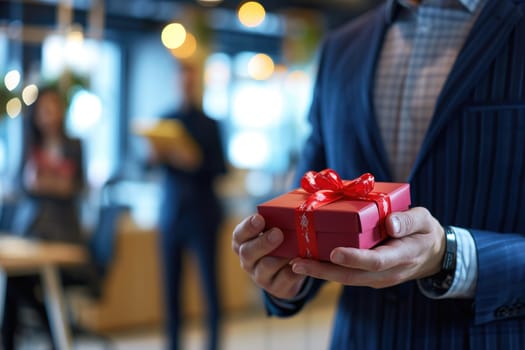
(24,257)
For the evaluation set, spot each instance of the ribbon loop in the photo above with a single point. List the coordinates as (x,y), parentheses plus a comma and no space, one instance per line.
(327,179)
(361,186)
(326,187)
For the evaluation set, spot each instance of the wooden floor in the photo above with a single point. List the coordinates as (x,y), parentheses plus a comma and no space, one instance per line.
(308,330)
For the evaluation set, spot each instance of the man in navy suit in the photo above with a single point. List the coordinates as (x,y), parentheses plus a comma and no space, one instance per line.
(190,171)
(431,92)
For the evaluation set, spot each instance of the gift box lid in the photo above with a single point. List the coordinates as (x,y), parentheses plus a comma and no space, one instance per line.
(343,215)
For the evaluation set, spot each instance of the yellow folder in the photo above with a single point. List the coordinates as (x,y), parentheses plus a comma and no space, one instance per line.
(167,135)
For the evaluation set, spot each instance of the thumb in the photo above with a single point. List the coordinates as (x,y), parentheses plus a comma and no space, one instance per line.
(415,220)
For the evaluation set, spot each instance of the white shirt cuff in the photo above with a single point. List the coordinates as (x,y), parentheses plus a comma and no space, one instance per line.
(466,273)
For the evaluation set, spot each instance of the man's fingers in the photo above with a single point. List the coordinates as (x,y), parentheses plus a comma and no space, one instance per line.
(275,276)
(246,230)
(286,284)
(394,253)
(346,276)
(252,250)
(415,220)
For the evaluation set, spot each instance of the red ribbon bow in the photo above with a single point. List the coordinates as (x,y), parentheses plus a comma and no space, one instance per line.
(326,187)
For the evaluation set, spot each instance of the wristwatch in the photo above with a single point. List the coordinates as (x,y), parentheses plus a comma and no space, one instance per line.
(442,281)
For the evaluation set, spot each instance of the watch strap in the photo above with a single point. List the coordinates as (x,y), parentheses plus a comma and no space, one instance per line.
(441,282)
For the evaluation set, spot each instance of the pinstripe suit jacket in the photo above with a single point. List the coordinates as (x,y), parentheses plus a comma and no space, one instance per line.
(470,172)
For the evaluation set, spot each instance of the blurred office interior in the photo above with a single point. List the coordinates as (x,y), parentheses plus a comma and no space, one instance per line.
(117,62)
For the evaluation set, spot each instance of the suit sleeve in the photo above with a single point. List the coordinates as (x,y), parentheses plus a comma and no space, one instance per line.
(284,308)
(500,292)
(312,158)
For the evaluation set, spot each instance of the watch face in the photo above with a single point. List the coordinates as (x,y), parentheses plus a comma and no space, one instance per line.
(439,283)
(446,282)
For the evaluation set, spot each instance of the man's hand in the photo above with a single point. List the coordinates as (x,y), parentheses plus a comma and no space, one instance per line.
(414,251)
(273,274)
(184,157)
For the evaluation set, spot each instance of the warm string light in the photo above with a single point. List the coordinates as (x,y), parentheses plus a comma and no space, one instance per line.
(13,107)
(188,47)
(251,13)
(173,35)
(12,79)
(30,94)
(261,67)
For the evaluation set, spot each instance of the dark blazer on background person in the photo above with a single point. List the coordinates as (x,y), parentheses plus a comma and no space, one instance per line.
(193,190)
(470,173)
(62,221)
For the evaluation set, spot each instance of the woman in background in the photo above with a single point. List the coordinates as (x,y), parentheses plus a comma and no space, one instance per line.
(51,180)
(52,175)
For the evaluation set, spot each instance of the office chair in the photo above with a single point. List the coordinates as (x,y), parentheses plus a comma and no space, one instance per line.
(102,250)
(102,242)
(7,213)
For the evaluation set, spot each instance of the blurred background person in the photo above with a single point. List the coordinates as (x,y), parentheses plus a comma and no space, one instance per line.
(52,175)
(51,180)
(190,214)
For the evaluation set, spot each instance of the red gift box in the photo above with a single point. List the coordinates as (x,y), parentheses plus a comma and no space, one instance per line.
(344,222)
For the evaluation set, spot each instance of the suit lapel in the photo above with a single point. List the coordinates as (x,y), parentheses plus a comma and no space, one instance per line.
(485,41)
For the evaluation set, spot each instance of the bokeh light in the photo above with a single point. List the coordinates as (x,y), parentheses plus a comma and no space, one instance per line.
(188,47)
(296,77)
(12,79)
(86,110)
(218,70)
(249,150)
(217,76)
(256,105)
(261,67)
(30,94)
(75,35)
(173,35)
(73,46)
(13,107)
(251,14)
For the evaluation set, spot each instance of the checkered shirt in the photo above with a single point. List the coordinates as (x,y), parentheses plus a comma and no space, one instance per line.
(417,55)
